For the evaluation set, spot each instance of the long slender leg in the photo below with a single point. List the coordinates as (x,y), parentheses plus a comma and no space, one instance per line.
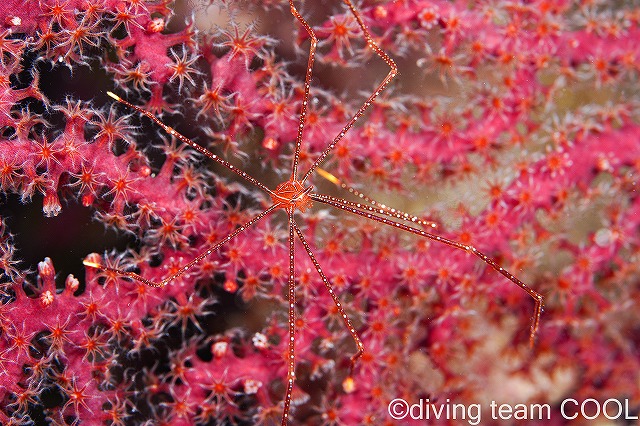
(381,208)
(291,357)
(307,83)
(171,131)
(188,266)
(392,73)
(369,213)
(343,314)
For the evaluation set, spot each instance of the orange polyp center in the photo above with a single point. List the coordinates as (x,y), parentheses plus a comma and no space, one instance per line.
(290,195)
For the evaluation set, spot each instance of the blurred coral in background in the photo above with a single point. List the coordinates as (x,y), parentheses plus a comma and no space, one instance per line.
(512,124)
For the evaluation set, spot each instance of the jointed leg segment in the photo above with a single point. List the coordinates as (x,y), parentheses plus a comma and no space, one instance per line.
(341,311)
(370,213)
(189,265)
(380,208)
(171,131)
(291,362)
(307,86)
(392,73)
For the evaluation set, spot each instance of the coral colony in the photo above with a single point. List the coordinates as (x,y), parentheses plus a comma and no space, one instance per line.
(511,132)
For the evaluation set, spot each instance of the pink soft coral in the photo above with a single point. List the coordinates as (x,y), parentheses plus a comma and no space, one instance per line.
(512,125)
